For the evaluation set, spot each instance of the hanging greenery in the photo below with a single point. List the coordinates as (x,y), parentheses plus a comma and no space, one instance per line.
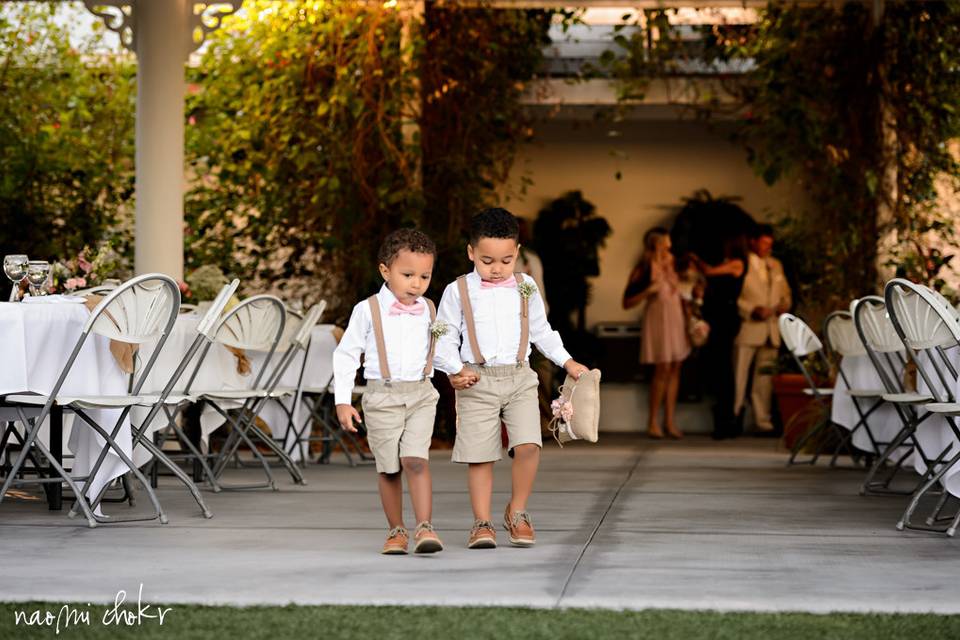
(855,105)
(476,64)
(295,144)
(66,138)
(860,107)
(299,137)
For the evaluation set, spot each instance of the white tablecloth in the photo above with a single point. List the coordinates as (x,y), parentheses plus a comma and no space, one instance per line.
(934,434)
(35,341)
(219,371)
(884,422)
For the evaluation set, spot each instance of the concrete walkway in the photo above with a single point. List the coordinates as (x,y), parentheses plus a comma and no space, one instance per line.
(626,524)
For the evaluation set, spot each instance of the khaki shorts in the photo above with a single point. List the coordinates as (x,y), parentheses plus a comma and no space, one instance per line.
(507,393)
(399,421)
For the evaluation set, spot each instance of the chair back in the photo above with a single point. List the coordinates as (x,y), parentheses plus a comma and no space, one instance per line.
(798,337)
(140,310)
(801,341)
(880,341)
(840,334)
(927,325)
(256,324)
(137,311)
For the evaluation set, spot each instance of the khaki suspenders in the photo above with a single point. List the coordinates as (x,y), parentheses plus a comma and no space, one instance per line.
(472,328)
(428,367)
(382,345)
(378,335)
(468,317)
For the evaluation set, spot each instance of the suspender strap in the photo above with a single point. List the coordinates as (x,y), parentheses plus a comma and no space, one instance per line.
(427,368)
(468,318)
(378,334)
(524,324)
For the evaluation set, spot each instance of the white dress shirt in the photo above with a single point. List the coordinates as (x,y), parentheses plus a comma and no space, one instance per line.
(407,338)
(497,318)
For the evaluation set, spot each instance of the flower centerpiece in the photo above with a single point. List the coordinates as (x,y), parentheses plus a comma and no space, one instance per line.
(204,283)
(81,272)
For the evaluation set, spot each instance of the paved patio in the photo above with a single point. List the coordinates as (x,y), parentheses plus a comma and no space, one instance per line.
(626,524)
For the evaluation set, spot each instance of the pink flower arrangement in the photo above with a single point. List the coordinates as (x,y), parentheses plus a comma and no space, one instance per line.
(562,409)
(83,264)
(72,284)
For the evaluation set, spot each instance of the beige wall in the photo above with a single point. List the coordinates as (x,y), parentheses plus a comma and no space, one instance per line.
(661,161)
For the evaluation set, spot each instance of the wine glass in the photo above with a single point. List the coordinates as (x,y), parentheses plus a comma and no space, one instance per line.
(38,271)
(15,267)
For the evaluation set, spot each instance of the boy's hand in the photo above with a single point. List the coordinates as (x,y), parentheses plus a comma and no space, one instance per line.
(575,369)
(463,380)
(346,414)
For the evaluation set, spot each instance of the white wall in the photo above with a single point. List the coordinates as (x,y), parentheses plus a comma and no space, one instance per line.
(661,161)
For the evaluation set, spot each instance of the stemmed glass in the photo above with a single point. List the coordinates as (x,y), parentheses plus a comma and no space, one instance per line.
(37,273)
(15,267)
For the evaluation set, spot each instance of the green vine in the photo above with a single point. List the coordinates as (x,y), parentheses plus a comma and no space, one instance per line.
(66,138)
(856,108)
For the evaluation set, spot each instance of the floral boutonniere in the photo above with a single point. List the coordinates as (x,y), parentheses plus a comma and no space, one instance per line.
(526,289)
(438,328)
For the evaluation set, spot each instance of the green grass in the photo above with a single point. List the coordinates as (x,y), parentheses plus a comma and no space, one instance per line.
(387,623)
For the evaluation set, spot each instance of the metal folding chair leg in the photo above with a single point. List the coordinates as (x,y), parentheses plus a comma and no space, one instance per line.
(31,441)
(882,487)
(937,510)
(110,442)
(846,438)
(933,479)
(230,446)
(822,425)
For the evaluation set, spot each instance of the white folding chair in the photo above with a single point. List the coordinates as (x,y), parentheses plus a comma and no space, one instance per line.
(296,340)
(886,352)
(99,290)
(841,339)
(256,324)
(802,342)
(168,401)
(928,326)
(141,310)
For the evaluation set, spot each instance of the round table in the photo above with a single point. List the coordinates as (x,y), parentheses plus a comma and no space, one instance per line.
(36,339)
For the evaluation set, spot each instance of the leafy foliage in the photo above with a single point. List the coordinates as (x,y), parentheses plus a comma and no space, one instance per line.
(66,138)
(569,235)
(475,66)
(858,108)
(295,141)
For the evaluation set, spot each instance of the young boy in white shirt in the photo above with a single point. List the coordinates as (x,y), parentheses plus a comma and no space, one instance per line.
(393,330)
(491,316)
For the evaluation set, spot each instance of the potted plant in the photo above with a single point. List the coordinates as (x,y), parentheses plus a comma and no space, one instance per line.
(799,411)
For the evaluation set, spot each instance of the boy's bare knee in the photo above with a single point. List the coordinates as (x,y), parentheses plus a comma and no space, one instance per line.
(413,465)
(525,450)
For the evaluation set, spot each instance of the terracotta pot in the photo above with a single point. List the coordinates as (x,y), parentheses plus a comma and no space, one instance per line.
(791,400)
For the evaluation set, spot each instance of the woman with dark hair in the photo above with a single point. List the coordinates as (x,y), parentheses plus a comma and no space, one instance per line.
(724,281)
(664,341)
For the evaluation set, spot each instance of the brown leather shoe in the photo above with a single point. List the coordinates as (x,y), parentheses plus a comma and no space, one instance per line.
(482,535)
(425,539)
(396,543)
(520,528)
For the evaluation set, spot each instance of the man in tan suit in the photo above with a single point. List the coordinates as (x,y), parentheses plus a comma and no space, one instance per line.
(765,295)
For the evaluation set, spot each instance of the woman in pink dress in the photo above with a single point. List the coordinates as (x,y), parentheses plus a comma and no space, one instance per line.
(664,342)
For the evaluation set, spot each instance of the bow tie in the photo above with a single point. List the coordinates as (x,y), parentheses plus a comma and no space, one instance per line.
(398,308)
(510,283)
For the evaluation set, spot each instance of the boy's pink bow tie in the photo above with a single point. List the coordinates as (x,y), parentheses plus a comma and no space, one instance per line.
(510,283)
(398,308)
